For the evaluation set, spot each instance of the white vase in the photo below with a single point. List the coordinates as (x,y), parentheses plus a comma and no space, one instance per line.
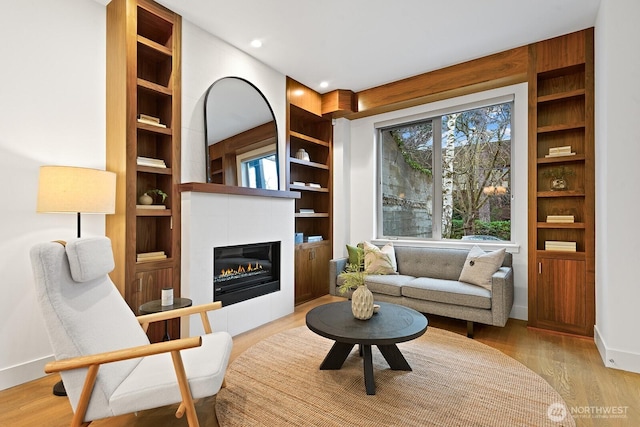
(145,199)
(362,303)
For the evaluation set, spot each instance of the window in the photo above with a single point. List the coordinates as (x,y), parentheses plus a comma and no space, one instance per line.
(447,177)
(258,169)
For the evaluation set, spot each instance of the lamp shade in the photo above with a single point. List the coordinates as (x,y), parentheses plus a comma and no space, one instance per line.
(74,189)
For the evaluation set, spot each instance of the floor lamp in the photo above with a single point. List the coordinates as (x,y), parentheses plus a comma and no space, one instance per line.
(68,189)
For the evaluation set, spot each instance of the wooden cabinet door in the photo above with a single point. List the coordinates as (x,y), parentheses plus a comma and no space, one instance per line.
(303,275)
(562,296)
(321,257)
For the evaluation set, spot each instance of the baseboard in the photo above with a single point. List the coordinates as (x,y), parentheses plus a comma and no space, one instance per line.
(25,372)
(520,312)
(614,358)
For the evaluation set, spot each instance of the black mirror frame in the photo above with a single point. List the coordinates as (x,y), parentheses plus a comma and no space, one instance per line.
(206,128)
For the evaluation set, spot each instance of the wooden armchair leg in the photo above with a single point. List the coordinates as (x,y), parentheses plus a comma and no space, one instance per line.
(187,400)
(469,329)
(83,402)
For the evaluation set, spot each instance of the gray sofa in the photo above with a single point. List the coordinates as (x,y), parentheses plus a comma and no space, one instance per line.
(427,281)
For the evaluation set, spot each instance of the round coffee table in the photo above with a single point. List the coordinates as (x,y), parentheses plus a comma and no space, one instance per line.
(391,325)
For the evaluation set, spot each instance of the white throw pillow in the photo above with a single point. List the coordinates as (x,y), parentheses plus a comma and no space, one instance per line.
(379,261)
(480,266)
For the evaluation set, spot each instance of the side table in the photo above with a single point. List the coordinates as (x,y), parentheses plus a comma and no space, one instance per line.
(156,306)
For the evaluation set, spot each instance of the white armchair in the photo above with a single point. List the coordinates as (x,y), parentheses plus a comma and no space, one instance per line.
(102,353)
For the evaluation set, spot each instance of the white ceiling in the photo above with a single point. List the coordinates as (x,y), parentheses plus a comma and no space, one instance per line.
(359,44)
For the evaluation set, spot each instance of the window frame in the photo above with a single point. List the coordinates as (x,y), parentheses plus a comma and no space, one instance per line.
(435,117)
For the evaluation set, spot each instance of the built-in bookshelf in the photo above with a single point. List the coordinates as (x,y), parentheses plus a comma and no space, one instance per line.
(309,165)
(143,148)
(561,184)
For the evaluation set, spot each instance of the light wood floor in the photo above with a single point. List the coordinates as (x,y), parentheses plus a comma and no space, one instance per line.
(571,365)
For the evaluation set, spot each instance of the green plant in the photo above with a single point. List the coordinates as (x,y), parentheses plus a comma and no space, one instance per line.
(157,192)
(557,173)
(353,276)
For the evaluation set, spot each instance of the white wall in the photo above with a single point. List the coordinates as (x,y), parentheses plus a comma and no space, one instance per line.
(205,59)
(357,188)
(210,220)
(617,176)
(52,111)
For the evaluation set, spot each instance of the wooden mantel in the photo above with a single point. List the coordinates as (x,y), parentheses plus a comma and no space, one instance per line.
(202,187)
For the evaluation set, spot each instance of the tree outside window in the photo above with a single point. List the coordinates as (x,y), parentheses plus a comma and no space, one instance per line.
(471,169)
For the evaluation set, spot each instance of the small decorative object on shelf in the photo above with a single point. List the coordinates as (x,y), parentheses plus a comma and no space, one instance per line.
(301,154)
(148,195)
(558,178)
(145,199)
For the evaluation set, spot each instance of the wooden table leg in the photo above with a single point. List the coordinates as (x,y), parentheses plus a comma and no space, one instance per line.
(394,358)
(336,356)
(369,381)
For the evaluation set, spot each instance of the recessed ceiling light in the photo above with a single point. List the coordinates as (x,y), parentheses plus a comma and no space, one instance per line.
(324,85)
(256,43)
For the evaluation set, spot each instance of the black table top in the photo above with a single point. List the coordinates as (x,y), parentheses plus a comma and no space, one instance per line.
(156,306)
(392,324)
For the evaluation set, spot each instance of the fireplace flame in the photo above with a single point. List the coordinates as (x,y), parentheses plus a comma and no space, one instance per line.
(241,269)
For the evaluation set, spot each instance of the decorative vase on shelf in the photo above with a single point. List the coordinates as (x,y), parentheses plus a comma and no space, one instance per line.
(362,303)
(558,184)
(145,199)
(301,154)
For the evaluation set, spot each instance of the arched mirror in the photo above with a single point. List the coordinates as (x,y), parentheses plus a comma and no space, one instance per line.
(241,136)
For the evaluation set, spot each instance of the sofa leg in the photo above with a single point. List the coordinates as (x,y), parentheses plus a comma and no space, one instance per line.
(469,329)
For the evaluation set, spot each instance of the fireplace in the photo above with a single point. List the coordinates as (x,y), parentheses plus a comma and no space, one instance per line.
(242,272)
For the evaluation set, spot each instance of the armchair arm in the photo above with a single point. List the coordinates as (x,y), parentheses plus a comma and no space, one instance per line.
(202,309)
(123,354)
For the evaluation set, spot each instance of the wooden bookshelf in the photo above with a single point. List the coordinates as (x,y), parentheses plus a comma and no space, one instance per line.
(143,77)
(561,114)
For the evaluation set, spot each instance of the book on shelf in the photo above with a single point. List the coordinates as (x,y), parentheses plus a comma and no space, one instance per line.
(559,154)
(158,207)
(560,151)
(555,245)
(300,183)
(306,211)
(151,122)
(563,149)
(149,118)
(312,239)
(151,256)
(560,218)
(148,161)
(313,185)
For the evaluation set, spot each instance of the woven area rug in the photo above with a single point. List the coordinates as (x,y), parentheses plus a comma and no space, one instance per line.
(455,381)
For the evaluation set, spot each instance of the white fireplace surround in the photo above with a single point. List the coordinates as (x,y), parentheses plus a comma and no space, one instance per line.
(210,220)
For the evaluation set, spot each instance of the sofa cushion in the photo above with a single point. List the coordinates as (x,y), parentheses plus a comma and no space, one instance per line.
(387,284)
(480,266)
(447,291)
(379,261)
(439,263)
